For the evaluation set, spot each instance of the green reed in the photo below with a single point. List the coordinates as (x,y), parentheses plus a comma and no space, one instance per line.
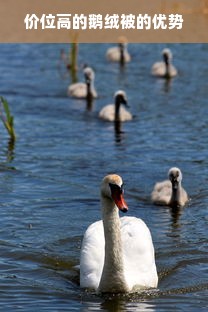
(7,118)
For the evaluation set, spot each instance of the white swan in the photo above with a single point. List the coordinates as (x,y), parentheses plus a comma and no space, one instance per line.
(164,69)
(116,112)
(81,89)
(170,192)
(117,254)
(119,53)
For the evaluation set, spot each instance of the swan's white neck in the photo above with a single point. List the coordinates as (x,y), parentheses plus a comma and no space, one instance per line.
(112,279)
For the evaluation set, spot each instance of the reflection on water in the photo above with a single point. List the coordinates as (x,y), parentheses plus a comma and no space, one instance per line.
(123,305)
(118,130)
(118,303)
(11,148)
(62,153)
(89,102)
(167,85)
(175,214)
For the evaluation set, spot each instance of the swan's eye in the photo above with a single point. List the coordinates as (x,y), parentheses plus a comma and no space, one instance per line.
(116,188)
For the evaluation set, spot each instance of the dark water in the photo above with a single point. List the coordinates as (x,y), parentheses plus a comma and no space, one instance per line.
(49,186)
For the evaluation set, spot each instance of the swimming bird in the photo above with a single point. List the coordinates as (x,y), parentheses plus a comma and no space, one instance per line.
(116,112)
(119,53)
(170,192)
(117,254)
(81,89)
(165,69)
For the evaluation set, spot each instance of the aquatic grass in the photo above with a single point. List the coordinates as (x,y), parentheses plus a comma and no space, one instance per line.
(7,118)
(70,59)
(73,56)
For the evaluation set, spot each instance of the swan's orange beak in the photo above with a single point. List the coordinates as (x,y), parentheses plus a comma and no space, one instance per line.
(117,195)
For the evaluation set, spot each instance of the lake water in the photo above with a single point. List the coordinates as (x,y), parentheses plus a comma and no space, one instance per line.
(49,186)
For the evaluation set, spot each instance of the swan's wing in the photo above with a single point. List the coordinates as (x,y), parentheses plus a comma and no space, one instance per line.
(127,56)
(108,112)
(124,114)
(139,260)
(158,69)
(92,256)
(113,54)
(94,93)
(173,71)
(161,193)
(184,197)
(77,89)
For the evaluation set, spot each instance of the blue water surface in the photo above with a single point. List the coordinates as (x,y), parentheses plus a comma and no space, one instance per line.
(50,177)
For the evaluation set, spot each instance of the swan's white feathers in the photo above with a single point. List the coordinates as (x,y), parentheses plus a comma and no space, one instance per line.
(161,193)
(117,254)
(108,113)
(92,256)
(113,54)
(138,254)
(159,69)
(78,89)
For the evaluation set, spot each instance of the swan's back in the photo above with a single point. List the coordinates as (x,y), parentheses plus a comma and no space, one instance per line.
(159,69)
(138,255)
(108,113)
(161,193)
(139,259)
(78,90)
(113,54)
